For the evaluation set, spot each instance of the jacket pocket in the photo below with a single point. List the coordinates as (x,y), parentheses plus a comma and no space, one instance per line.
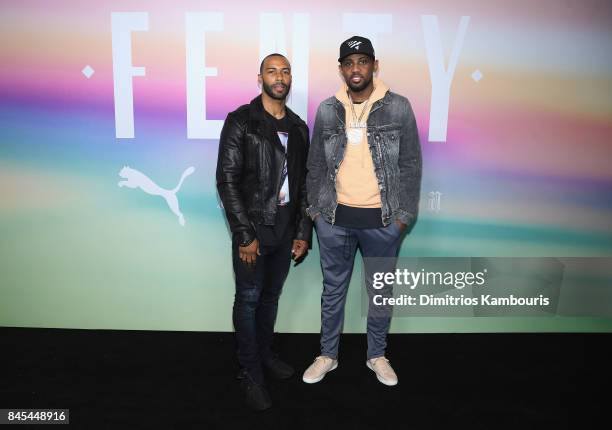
(330,144)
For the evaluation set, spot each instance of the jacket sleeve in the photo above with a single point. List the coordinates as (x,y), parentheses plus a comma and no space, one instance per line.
(410,165)
(304,223)
(229,173)
(317,167)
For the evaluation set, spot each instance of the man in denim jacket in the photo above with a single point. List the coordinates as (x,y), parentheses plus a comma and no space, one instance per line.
(363,184)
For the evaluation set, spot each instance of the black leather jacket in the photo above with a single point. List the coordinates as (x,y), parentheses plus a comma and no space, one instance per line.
(249,168)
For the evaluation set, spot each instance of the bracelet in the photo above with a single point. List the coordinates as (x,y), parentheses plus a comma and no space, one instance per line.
(247,242)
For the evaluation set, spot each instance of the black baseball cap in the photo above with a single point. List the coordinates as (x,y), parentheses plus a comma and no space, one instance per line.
(356,45)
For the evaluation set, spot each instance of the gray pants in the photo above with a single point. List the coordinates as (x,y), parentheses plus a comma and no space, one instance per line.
(337,246)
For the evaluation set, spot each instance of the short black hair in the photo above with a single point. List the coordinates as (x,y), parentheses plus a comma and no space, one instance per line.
(276,54)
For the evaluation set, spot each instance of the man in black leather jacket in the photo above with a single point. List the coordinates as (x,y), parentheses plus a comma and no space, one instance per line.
(261,179)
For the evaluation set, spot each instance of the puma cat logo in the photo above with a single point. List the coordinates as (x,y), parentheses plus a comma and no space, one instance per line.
(136,179)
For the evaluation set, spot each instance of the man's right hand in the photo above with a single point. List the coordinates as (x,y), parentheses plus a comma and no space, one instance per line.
(248,254)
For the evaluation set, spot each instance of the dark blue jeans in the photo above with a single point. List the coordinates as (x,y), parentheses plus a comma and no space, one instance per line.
(258,289)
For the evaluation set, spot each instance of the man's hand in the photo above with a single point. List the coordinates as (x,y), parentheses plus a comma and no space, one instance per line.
(300,247)
(401,225)
(248,254)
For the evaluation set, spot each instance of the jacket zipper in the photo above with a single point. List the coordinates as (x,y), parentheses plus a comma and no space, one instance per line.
(280,176)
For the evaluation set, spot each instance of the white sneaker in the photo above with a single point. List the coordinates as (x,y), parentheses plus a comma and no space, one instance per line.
(317,370)
(384,371)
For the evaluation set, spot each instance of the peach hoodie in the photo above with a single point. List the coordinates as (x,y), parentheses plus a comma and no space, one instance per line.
(356,183)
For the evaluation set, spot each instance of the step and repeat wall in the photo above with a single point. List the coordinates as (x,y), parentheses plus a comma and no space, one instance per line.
(110,114)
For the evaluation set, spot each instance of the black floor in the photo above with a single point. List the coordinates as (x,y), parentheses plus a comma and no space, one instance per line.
(185,380)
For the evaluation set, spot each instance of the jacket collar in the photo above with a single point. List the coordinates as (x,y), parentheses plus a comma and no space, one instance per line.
(339,107)
(257,113)
(333,101)
(257,123)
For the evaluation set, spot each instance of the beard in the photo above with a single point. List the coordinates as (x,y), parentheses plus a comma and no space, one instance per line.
(277,96)
(360,86)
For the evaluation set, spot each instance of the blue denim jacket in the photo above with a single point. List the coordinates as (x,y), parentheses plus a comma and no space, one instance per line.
(393,140)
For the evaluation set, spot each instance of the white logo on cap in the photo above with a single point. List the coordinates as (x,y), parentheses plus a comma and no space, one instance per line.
(354,44)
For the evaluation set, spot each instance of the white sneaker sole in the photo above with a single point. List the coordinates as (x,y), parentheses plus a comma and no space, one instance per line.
(380,379)
(315,380)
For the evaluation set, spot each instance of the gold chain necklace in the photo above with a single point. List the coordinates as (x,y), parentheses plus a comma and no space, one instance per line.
(354,131)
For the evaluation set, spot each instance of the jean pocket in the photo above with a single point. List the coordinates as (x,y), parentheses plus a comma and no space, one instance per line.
(396,228)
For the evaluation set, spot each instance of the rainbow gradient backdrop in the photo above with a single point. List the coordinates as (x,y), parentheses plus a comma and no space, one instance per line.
(526,169)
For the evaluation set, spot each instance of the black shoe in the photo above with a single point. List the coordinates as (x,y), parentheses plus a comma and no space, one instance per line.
(278,368)
(256,395)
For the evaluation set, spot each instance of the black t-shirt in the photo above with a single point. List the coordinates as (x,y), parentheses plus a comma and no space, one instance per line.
(285,215)
(352,217)
(279,125)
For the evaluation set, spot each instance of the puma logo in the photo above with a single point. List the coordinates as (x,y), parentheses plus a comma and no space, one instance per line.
(136,179)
